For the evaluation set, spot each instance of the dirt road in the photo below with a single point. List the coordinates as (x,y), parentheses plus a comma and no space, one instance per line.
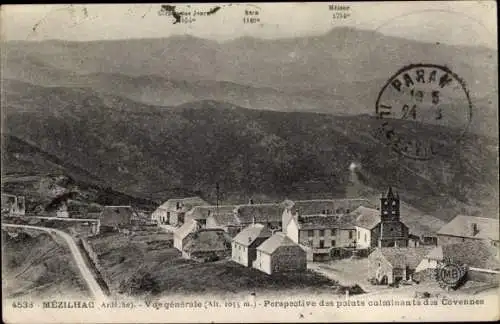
(92,284)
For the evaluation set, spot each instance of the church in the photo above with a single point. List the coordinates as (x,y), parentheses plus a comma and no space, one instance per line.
(383,227)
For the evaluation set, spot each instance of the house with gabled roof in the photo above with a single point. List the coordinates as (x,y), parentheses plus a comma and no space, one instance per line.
(322,233)
(173,210)
(480,256)
(244,244)
(464,228)
(366,222)
(393,264)
(224,217)
(181,233)
(205,214)
(296,208)
(207,245)
(264,213)
(280,254)
(114,218)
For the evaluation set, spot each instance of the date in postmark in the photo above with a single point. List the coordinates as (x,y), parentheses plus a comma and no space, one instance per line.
(420,98)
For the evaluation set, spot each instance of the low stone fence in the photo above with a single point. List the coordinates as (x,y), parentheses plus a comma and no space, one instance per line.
(101,277)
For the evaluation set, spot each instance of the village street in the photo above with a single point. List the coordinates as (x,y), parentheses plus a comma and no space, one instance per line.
(347,272)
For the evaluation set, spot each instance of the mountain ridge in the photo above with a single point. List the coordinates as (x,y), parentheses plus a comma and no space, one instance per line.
(249,152)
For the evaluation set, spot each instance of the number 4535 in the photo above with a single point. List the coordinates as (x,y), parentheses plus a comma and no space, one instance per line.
(22,304)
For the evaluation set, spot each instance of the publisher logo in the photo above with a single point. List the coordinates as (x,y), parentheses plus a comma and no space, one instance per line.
(450,275)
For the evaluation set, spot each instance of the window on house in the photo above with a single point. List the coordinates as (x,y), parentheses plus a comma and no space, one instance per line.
(310,233)
(333,243)
(350,235)
(321,232)
(365,237)
(359,235)
(394,203)
(334,231)
(321,244)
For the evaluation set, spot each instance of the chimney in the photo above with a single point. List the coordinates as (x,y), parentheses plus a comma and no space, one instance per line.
(475,229)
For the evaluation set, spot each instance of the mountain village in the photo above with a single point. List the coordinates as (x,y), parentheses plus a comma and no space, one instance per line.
(294,236)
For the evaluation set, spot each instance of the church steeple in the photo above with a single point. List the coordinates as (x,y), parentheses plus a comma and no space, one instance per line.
(389,206)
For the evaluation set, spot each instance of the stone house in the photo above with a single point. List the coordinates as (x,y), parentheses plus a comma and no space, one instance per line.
(366,226)
(209,213)
(207,245)
(115,218)
(245,243)
(392,264)
(181,233)
(321,233)
(469,228)
(382,228)
(224,217)
(173,210)
(480,256)
(294,209)
(265,213)
(13,205)
(280,254)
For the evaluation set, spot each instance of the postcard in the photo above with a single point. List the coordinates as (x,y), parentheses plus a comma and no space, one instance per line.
(250,162)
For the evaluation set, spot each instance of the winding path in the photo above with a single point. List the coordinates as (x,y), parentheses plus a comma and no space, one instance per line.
(86,273)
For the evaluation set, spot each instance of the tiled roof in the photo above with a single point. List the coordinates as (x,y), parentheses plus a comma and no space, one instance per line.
(250,233)
(187,203)
(327,206)
(366,217)
(225,218)
(461,225)
(207,240)
(186,228)
(307,222)
(203,212)
(263,213)
(116,215)
(476,254)
(274,242)
(404,256)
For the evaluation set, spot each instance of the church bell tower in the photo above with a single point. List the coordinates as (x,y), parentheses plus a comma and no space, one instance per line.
(389,207)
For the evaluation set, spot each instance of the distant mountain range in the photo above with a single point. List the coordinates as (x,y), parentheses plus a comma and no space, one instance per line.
(267,119)
(340,72)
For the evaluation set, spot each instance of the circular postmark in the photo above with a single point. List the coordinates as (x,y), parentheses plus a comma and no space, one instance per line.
(423,108)
(449,275)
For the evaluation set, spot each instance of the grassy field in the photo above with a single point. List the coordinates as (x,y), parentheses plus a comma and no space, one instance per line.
(146,263)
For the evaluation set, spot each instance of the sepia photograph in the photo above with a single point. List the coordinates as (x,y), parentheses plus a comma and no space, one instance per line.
(250,162)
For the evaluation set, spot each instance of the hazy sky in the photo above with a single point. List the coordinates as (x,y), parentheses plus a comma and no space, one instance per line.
(470,23)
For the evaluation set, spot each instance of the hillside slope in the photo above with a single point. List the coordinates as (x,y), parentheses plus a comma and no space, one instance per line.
(149,151)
